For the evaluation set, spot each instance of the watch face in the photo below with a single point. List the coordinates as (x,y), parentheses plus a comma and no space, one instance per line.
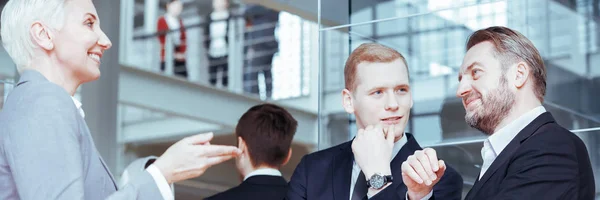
(377,181)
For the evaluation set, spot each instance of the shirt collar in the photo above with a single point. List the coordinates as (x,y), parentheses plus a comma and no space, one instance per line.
(398,145)
(263,171)
(78,106)
(500,139)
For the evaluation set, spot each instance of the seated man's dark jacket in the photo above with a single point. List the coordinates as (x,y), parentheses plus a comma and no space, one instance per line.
(326,175)
(544,161)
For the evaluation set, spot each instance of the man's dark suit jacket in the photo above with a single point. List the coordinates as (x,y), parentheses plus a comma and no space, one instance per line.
(544,161)
(256,187)
(326,175)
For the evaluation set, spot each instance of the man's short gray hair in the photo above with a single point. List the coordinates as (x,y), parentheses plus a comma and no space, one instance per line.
(16,20)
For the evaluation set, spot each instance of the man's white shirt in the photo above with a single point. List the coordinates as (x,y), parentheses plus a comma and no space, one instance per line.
(495,143)
(263,171)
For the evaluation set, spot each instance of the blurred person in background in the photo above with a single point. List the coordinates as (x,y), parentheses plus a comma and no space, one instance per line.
(260,46)
(216,32)
(170,26)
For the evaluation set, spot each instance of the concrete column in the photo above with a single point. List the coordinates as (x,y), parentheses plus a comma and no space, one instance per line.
(126,35)
(151,10)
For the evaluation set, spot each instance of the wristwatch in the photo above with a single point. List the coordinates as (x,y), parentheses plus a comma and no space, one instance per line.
(377,181)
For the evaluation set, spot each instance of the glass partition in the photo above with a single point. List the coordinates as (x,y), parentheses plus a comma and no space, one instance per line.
(432,36)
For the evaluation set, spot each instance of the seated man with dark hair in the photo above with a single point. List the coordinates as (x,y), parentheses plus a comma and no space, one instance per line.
(264,134)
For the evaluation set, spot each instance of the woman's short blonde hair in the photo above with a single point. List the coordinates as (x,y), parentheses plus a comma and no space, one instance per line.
(15,23)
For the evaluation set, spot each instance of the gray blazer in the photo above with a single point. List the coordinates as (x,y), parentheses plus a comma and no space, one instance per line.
(47,152)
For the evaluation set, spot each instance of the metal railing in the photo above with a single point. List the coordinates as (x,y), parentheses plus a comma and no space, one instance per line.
(247,67)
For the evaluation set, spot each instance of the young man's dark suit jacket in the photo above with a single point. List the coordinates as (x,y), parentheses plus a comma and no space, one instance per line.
(544,161)
(326,175)
(263,187)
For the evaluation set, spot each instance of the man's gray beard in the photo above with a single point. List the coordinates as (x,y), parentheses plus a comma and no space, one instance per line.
(494,108)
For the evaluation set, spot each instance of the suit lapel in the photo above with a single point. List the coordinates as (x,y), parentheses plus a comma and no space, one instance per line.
(396,165)
(108,171)
(93,148)
(342,172)
(510,149)
(471,192)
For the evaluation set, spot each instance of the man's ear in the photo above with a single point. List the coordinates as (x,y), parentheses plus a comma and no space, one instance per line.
(521,74)
(289,156)
(242,145)
(347,101)
(41,35)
